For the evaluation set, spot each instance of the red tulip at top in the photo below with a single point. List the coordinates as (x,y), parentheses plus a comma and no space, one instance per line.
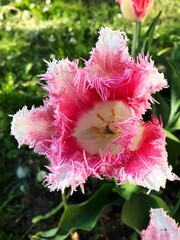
(135,10)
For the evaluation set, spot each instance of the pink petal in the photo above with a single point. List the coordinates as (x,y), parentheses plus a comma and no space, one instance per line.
(66,94)
(116,76)
(161,227)
(33,127)
(146,80)
(147,163)
(109,60)
(142,8)
(68,168)
(135,10)
(59,76)
(69,174)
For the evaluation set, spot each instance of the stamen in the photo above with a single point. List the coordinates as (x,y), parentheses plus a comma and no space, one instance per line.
(99,116)
(102,136)
(96,129)
(112,113)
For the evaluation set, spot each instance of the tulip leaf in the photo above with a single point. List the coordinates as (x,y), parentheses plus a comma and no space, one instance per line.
(162,109)
(173,147)
(126,190)
(149,35)
(174,118)
(171,136)
(176,211)
(135,211)
(84,215)
(45,235)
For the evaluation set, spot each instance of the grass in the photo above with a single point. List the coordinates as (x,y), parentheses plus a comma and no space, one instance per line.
(33,31)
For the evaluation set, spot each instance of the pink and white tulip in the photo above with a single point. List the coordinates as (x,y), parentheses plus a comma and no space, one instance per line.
(91,123)
(161,227)
(135,10)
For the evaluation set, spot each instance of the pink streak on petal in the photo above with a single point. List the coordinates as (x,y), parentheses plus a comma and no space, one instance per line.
(108,61)
(69,174)
(69,166)
(161,227)
(147,165)
(68,96)
(59,76)
(144,81)
(34,127)
(128,128)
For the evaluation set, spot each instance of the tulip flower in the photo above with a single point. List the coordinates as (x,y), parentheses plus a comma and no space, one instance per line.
(161,227)
(91,122)
(135,10)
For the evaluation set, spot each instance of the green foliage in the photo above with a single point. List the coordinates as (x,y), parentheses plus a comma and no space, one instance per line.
(135,212)
(126,190)
(82,216)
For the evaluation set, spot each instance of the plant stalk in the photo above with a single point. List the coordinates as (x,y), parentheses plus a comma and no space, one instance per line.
(136,39)
(74,235)
(64,200)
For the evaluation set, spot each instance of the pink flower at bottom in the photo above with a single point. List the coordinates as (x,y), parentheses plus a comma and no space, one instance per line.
(161,227)
(91,122)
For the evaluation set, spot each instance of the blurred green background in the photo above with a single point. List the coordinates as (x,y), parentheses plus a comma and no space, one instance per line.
(34,31)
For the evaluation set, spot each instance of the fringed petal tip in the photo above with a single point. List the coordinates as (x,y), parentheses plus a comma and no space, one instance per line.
(33,127)
(161,227)
(110,57)
(66,175)
(59,75)
(20,126)
(155,80)
(147,164)
(155,179)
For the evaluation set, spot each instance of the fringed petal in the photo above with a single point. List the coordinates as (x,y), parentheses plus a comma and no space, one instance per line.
(33,127)
(59,77)
(108,61)
(69,174)
(147,163)
(145,81)
(161,227)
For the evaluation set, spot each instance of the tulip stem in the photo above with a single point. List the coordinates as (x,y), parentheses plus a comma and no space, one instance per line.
(64,200)
(136,39)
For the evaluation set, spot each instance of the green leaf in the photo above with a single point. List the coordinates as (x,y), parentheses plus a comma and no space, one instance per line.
(44,235)
(174,118)
(135,211)
(85,215)
(171,136)
(149,35)
(47,215)
(126,190)
(176,210)
(162,109)
(134,236)
(173,147)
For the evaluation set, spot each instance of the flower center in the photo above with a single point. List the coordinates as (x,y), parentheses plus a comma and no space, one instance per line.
(97,129)
(107,128)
